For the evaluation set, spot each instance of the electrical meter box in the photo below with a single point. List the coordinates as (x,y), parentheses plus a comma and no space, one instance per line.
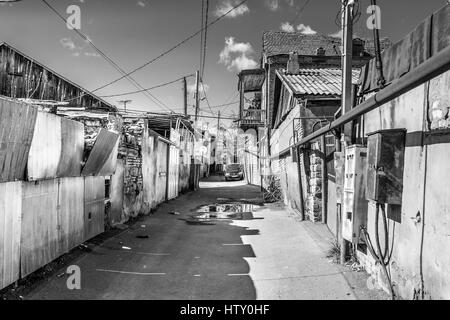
(355,204)
(386,154)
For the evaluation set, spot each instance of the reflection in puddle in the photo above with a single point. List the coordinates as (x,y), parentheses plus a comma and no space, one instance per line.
(230,211)
(229,207)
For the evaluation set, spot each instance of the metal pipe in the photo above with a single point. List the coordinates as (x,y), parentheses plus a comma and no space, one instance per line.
(300,185)
(428,70)
(324,181)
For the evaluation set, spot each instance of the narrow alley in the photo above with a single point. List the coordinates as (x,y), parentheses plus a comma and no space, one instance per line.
(230,259)
(199,151)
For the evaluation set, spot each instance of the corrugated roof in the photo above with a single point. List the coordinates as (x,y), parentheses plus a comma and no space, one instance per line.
(86,92)
(279,42)
(324,82)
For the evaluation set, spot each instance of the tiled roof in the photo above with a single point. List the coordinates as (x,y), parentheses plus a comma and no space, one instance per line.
(279,42)
(324,82)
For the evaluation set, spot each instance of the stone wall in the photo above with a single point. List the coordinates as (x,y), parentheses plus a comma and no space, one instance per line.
(314,200)
(130,150)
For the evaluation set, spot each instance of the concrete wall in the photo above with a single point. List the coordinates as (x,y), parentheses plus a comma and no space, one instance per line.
(425,192)
(286,169)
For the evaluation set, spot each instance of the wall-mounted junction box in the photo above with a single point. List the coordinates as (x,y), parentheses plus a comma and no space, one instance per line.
(355,204)
(386,153)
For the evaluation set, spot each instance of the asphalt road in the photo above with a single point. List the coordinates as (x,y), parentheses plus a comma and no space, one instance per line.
(272,256)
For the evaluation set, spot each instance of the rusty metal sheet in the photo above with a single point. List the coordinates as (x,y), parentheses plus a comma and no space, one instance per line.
(441,30)
(10,231)
(45,151)
(72,148)
(397,60)
(94,206)
(421,43)
(101,152)
(412,50)
(39,240)
(111,163)
(70,213)
(17,122)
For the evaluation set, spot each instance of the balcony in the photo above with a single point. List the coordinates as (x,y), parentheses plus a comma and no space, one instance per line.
(252,118)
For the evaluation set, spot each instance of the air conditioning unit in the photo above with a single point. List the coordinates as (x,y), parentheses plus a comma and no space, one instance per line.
(355,204)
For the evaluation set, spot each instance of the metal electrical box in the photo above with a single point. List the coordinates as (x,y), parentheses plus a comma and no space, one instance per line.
(386,154)
(355,203)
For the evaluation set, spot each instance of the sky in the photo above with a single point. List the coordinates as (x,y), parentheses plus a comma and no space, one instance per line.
(132,32)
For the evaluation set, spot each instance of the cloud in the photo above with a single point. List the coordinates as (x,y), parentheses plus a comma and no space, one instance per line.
(305,29)
(142,4)
(273,5)
(237,56)
(191,87)
(77,51)
(290,3)
(68,44)
(287,27)
(91,54)
(337,34)
(227,5)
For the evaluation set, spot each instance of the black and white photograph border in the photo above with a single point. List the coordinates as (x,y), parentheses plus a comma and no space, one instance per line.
(207,152)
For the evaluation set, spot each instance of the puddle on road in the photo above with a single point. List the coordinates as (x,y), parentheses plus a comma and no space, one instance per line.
(228,208)
(226,211)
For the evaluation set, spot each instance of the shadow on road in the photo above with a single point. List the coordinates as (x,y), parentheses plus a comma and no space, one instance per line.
(163,257)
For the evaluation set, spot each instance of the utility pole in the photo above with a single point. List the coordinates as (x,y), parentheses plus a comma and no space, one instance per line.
(185,93)
(347,101)
(124,102)
(218,142)
(197,96)
(218,123)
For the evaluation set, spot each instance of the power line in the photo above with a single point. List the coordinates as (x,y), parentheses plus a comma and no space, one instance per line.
(213,117)
(206,98)
(146,89)
(205,39)
(172,48)
(106,57)
(202,35)
(225,105)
